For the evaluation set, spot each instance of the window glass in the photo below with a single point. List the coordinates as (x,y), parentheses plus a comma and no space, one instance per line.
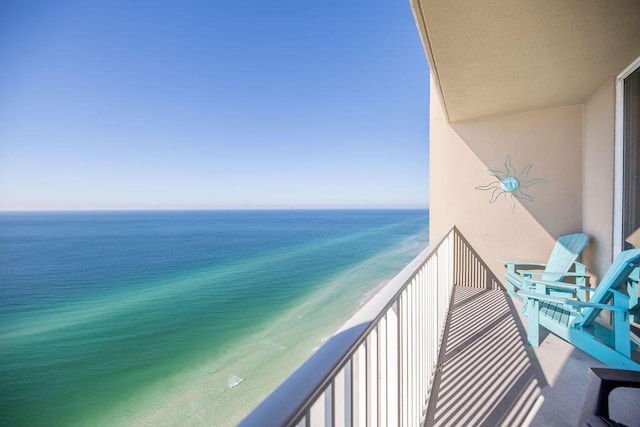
(631,155)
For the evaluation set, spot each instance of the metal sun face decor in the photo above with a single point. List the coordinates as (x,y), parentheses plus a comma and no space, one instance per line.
(510,184)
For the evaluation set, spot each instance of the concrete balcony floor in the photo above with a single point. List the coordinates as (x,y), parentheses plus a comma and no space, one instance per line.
(489,376)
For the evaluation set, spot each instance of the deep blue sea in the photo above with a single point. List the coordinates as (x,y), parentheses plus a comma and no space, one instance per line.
(178,317)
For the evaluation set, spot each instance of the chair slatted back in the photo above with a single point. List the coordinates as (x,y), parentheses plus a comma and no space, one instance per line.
(565,252)
(615,278)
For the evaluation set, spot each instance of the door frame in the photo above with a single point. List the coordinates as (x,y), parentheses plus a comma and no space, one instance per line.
(619,157)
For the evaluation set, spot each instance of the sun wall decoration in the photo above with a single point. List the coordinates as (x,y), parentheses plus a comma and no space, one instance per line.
(509,185)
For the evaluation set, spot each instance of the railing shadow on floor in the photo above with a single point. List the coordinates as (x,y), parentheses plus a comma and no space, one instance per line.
(487,374)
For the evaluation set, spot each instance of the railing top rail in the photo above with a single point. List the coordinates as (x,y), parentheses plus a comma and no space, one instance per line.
(286,404)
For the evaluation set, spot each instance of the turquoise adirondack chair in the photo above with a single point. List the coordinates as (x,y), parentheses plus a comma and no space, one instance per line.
(574,320)
(562,259)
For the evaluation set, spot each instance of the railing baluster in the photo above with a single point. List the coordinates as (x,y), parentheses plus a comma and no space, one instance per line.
(423,333)
(340,396)
(362,385)
(317,412)
(412,349)
(348,393)
(382,371)
(392,366)
(419,344)
(403,359)
(329,407)
(372,379)
(416,332)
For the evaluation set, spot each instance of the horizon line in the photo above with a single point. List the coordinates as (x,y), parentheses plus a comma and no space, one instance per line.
(215,209)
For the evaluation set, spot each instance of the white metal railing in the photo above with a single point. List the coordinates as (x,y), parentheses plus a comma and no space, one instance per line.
(378,368)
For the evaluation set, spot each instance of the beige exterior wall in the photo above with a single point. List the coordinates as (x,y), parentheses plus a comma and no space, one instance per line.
(460,155)
(598,176)
(571,147)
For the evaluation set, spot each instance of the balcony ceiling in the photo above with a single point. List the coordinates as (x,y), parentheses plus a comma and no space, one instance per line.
(493,57)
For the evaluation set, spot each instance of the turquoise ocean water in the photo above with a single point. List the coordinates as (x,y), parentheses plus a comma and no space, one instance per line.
(178,318)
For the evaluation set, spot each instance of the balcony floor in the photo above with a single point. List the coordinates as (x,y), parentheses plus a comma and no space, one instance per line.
(488,375)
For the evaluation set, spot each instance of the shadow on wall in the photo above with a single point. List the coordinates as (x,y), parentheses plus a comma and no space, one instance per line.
(590,256)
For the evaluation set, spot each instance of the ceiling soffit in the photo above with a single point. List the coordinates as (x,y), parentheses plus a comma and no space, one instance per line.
(494,57)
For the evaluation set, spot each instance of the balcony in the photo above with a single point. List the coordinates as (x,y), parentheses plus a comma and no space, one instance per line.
(440,344)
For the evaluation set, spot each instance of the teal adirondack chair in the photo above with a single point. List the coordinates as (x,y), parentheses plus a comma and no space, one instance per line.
(574,320)
(562,259)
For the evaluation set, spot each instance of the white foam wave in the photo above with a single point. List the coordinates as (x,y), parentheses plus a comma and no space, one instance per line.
(234,380)
(274,344)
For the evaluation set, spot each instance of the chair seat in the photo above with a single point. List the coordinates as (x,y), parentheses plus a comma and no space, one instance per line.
(556,311)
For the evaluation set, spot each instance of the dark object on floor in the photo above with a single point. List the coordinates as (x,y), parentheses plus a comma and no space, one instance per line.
(612,399)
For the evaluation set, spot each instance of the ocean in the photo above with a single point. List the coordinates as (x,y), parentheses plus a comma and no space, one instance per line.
(178,317)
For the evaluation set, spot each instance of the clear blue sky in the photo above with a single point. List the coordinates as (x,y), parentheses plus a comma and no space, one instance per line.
(212,104)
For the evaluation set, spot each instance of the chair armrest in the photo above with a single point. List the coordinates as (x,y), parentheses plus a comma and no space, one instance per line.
(573,303)
(558,285)
(533,264)
(542,297)
(582,304)
(513,265)
(557,273)
(525,271)
(570,274)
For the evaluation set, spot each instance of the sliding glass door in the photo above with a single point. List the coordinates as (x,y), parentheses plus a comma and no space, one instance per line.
(631,160)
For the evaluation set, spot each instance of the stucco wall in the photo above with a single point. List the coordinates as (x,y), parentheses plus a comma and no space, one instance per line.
(460,155)
(550,140)
(598,176)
